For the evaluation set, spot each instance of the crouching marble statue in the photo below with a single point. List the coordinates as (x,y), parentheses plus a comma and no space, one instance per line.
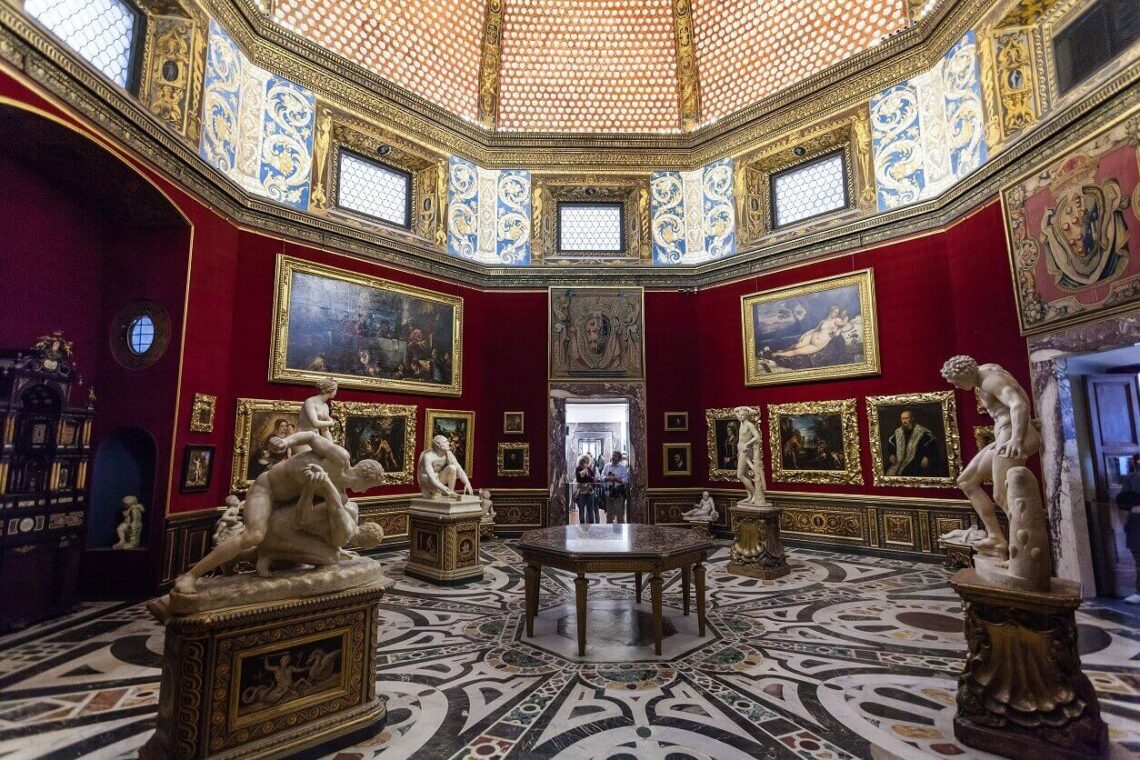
(282,659)
(444,522)
(756,547)
(1022,691)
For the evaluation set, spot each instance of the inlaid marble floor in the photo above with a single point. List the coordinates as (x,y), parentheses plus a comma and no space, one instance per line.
(847,652)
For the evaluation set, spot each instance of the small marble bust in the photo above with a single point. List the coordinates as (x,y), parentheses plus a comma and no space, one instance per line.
(705,510)
(130,529)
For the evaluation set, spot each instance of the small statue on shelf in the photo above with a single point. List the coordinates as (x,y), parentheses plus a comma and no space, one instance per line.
(130,529)
(438,471)
(704,510)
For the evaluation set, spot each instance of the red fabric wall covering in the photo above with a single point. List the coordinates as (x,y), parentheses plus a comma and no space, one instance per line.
(673,377)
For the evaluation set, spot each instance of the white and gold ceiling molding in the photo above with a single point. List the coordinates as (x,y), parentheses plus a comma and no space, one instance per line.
(692,215)
(488,214)
(257,128)
(929,131)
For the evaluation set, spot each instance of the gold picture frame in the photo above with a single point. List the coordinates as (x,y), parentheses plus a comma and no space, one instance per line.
(840,449)
(721,429)
(257,420)
(202,413)
(507,460)
(514,423)
(676,422)
(667,458)
(395,450)
(931,411)
(280,371)
(465,423)
(786,311)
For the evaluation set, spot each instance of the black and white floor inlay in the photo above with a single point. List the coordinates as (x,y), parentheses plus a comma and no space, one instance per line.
(847,653)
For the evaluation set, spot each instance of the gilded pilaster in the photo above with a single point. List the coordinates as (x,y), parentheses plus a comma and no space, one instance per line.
(688,82)
(491,64)
(170,84)
(318,197)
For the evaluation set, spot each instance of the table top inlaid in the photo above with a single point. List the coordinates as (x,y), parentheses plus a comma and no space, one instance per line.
(614,540)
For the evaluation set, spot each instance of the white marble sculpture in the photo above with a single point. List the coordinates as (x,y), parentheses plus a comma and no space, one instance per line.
(1028,565)
(487,505)
(970,535)
(750,457)
(131,528)
(438,471)
(230,523)
(1016,438)
(316,416)
(299,508)
(704,511)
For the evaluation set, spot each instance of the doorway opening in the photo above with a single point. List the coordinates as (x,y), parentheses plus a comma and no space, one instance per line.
(596,428)
(1106,414)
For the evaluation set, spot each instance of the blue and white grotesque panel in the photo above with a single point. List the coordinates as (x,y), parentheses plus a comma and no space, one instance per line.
(928,132)
(257,128)
(488,214)
(692,215)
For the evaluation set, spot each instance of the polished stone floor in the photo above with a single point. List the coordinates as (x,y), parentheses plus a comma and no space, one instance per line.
(847,653)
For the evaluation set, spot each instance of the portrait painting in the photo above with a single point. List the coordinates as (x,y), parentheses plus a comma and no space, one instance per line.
(383,432)
(597,333)
(1070,224)
(197,469)
(821,330)
(202,413)
(513,423)
(814,442)
(514,459)
(365,332)
(458,428)
(722,435)
(279,678)
(258,422)
(676,422)
(914,439)
(677,459)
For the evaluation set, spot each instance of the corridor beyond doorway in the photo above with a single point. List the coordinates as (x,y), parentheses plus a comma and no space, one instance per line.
(594,428)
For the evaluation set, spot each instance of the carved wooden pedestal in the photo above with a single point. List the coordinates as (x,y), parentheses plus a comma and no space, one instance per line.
(959,555)
(701,528)
(445,541)
(270,679)
(487,527)
(1022,692)
(756,548)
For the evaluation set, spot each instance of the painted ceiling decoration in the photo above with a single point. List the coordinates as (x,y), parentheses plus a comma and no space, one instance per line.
(585,66)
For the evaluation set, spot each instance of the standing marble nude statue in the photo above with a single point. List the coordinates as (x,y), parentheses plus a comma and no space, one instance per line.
(130,529)
(315,414)
(438,470)
(283,485)
(749,456)
(1016,438)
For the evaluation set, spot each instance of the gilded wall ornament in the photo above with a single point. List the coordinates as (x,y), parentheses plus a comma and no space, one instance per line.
(202,413)
(513,460)
(597,333)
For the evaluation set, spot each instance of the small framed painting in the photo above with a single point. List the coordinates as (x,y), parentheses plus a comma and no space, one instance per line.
(197,469)
(513,423)
(514,460)
(676,422)
(202,413)
(677,458)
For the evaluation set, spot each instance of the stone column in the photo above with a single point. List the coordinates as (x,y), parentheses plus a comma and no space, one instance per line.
(756,547)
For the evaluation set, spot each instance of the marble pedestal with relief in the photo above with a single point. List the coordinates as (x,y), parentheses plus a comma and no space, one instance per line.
(292,668)
(445,540)
(756,548)
(1022,692)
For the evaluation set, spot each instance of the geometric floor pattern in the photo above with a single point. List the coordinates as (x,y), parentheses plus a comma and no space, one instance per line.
(849,656)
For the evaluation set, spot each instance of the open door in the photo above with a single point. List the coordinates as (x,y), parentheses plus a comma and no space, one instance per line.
(1114,424)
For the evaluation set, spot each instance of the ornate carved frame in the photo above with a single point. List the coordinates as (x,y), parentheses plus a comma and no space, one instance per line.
(243,429)
(431,415)
(632,191)
(953,445)
(343,410)
(711,417)
(502,449)
(845,408)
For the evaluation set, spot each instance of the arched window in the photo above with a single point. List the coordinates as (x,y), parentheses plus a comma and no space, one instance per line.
(102,32)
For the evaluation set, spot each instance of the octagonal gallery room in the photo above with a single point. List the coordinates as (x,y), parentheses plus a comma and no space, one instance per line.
(617,379)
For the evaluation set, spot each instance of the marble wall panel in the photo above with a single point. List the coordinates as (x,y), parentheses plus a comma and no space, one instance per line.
(489,214)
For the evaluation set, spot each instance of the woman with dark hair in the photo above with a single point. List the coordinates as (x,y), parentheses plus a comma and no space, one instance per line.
(584,477)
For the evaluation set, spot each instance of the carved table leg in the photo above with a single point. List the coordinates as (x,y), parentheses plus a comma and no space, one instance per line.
(699,573)
(655,588)
(580,609)
(685,580)
(637,586)
(532,581)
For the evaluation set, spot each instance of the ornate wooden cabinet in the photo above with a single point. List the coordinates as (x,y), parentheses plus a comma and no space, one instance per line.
(44,464)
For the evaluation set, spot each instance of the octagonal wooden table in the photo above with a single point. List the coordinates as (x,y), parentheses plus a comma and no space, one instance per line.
(616,548)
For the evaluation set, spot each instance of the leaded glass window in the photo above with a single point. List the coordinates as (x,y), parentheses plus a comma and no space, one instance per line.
(102,32)
(809,189)
(590,227)
(374,189)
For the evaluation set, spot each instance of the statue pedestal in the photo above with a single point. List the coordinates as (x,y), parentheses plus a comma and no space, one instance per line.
(269,678)
(445,540)
(1022,692)
(487,527)
(756,547)
(701,528)
(959,555)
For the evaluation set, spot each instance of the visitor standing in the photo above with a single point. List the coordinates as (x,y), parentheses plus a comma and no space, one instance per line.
(615,476)
(584,497)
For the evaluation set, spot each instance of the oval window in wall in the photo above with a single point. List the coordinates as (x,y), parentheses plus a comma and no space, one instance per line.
(140,334)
